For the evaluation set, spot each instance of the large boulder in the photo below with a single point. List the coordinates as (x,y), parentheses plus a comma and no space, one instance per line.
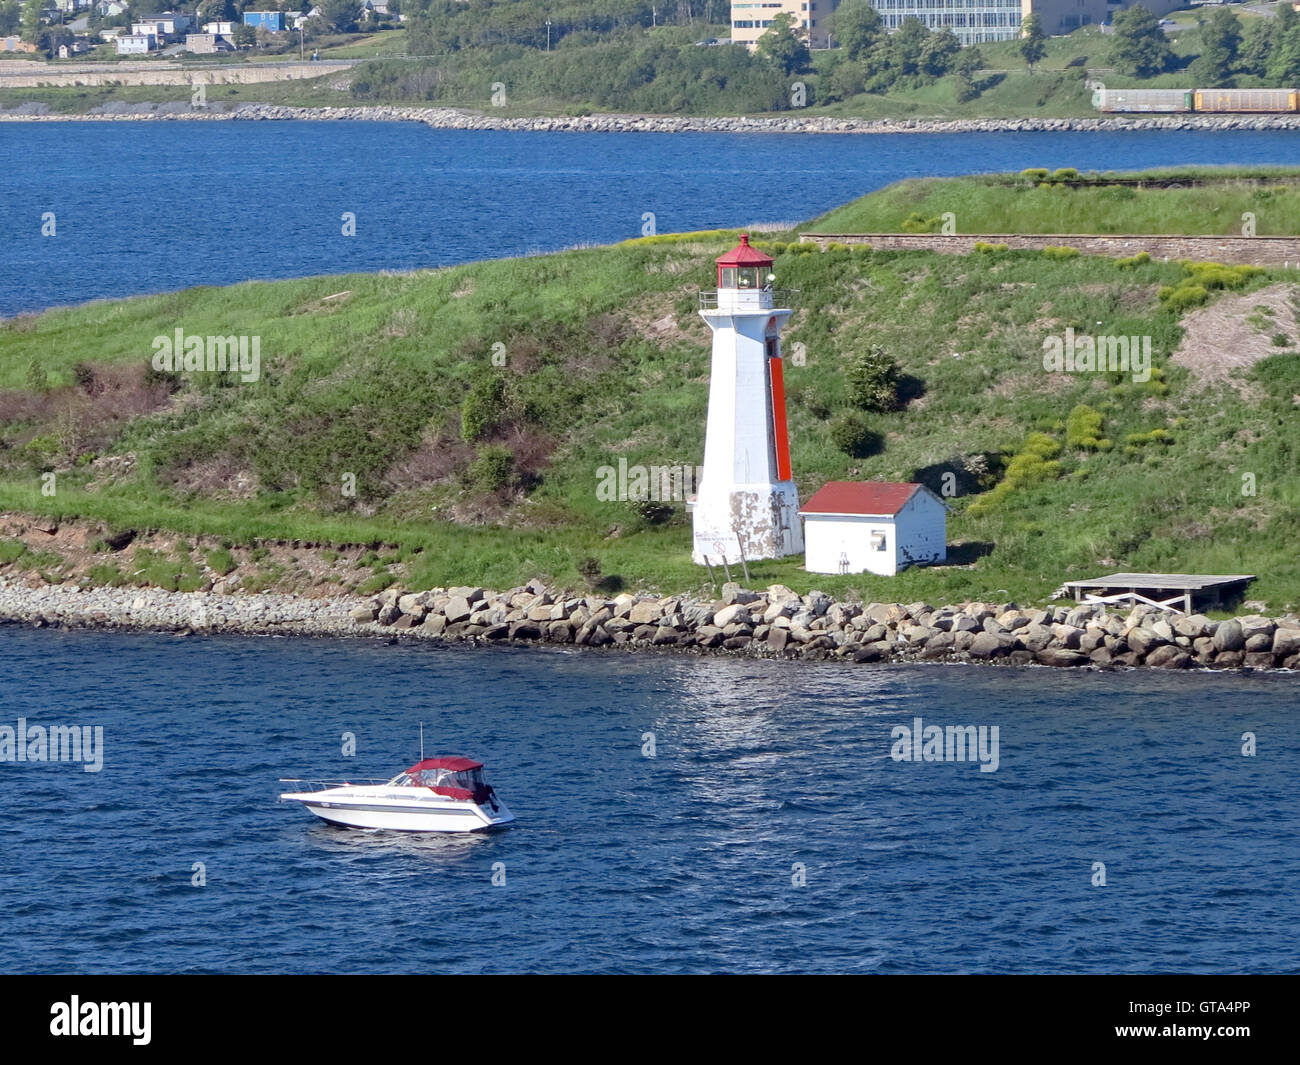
(734,593)
(1167,656)
(645,612)
(1228,636)
(989,645)
(1061,656)
(729,614)
(1286,641)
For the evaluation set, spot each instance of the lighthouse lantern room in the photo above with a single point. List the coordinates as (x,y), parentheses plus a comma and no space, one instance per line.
(747,506)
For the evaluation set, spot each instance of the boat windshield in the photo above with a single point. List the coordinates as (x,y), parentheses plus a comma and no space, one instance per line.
(465,779)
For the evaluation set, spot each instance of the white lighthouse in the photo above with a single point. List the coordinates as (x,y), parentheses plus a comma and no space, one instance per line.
(747,506)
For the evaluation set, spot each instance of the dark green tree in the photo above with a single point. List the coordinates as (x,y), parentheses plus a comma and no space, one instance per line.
(784,45)
(343,15)
(11,17)
(939,52)
(1221,43)
(32,21)
(1032,42)
(907,44)
(968,63)
(1140,48)
(857,27)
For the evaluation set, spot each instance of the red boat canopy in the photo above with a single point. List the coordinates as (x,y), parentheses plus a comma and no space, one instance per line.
(455,764)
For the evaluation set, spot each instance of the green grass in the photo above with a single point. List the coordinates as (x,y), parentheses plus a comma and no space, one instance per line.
(1212,202)
(373,384)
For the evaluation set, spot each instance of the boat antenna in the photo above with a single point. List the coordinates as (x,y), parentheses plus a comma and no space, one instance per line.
(421,741)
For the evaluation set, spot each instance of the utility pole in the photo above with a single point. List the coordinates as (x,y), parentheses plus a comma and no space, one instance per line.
(548,35)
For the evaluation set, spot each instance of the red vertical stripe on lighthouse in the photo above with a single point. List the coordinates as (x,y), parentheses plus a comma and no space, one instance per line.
(780,436)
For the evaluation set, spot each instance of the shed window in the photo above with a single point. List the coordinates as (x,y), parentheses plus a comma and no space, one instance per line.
(878,541)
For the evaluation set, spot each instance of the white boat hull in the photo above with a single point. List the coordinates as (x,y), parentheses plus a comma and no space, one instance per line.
(399,810)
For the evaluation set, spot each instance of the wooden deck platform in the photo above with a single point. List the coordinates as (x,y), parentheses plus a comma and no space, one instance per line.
(1156,588)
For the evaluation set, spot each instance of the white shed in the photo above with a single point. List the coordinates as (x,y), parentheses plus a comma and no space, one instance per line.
(878,527)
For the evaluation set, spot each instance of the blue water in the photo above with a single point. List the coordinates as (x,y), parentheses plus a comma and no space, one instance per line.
(148,207)
(618,862)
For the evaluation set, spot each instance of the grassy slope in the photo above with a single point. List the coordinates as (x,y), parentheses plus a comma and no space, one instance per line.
(372,383)
(1005,205)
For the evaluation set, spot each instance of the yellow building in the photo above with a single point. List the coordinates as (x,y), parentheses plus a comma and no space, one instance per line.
(751,18)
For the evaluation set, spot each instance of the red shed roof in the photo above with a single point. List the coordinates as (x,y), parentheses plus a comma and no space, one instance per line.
(743,255)
(860,497)
(456,765)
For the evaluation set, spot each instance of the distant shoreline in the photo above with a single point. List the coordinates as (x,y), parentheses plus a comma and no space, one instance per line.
(451,118)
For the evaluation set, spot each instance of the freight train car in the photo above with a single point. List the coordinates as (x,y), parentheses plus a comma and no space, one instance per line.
(1237,101)
(1165,101)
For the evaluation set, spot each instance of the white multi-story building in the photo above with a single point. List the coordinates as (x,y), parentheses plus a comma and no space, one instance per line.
(972,21)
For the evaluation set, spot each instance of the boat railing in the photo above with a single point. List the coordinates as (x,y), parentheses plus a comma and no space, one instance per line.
(321,785)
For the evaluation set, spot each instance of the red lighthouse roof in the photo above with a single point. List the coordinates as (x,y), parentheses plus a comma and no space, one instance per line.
(743,255)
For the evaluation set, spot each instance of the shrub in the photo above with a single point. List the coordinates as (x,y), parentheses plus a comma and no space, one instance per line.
(851,434)
(1034,173)
(493,469)
(1083,428)
(1140,259)
(1060,251)
(1033,462)
(918,223)
(106,576)
(220,561)
(1183,296)
(375,584)
(484,407)
(1065,173)
(873,377)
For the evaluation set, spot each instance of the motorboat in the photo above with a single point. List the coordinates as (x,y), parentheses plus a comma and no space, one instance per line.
(435,795)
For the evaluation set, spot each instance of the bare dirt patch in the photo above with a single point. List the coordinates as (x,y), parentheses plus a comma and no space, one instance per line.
(1233,333)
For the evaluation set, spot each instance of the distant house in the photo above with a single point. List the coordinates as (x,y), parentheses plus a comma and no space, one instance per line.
(299,19)
(879,527)
(136,43)
(70,6)
(206,43)
(15,44)
(109,8)
(270,20)
(223,29)
(161,26)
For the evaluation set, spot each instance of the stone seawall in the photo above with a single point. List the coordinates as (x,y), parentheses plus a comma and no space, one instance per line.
(456,118)
(1258,251)
(141,74)
(774,623)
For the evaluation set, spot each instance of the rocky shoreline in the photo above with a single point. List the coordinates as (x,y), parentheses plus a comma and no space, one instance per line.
(774,623)
(454,118)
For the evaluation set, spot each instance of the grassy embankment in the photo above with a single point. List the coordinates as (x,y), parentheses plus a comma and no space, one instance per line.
(1190,201)
(472,473)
